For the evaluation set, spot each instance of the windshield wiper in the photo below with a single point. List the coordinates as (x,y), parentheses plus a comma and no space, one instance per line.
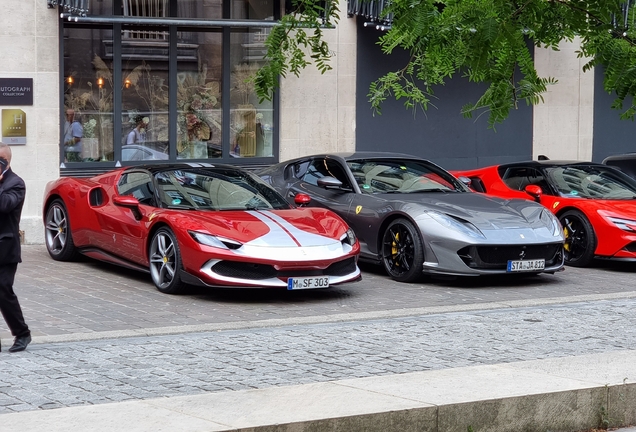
(176,207)
(432,190)
(435,190)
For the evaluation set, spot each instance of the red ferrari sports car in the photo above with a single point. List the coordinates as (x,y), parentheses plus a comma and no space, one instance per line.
(202,224)
(595,203)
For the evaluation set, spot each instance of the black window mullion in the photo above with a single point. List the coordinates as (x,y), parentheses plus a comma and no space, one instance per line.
(61,79)
(172,91)
(225,79)
(225,99)
(117,94)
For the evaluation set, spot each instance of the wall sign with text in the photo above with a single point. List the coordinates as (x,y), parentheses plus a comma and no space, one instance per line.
(13,126)
(16,91)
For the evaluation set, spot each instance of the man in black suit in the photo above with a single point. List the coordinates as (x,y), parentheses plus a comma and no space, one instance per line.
(12,192)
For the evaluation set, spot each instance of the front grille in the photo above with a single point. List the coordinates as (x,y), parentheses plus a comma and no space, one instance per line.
(497,257)
(630,247)
(251,271)
(241,270)
(342,268)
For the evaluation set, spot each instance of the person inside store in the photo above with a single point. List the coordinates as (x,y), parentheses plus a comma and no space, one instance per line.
(73,133)
(12,194)
(138,134)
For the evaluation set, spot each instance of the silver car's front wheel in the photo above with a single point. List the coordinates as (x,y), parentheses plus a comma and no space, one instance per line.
(402,251)
(165,262)
(57,232)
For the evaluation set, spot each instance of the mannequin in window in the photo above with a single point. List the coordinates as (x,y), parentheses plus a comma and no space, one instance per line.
(138,134)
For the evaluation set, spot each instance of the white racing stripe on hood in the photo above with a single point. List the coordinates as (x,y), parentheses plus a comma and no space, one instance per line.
(284,234)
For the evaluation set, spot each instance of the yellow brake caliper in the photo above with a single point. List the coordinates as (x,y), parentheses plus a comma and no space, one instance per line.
(394,249)
(566,245)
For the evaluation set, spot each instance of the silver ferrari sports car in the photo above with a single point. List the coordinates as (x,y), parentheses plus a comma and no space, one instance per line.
(412,216)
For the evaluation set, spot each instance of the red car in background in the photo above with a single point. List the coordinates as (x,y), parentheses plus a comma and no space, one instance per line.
(201,224)
(595,203)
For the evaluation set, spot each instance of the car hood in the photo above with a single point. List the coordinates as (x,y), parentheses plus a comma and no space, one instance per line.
(268,228)
(622,208)
(484,212)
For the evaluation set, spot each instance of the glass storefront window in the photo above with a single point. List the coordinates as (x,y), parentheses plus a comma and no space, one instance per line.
(252,9)
(167,90)
(199,111)
(145,95)
(88,98)
(211,9)
(251,123)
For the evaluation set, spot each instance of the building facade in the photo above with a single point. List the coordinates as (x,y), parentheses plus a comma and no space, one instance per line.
(167,80)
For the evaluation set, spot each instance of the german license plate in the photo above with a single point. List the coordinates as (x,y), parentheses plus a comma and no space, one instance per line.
(526,265)
(308,283)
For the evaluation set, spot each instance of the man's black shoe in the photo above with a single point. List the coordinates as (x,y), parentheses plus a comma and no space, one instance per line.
(20,343)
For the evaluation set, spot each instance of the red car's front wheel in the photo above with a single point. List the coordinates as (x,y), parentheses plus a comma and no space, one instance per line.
(580,240)
(165,262)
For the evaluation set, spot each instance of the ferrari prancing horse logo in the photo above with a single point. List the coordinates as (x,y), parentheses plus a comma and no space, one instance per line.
(358,209)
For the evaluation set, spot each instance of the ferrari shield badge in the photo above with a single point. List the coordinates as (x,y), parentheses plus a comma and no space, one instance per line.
(358,209)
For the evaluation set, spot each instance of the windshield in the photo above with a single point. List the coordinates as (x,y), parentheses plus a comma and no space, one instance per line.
(402,176)
(218,189)
(592,182)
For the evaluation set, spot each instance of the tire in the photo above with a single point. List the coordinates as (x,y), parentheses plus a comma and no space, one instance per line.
(57,233)
(402,251)
(580,240)
(165,262)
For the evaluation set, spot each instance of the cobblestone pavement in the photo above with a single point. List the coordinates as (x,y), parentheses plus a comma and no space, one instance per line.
(89,298)
(52,375)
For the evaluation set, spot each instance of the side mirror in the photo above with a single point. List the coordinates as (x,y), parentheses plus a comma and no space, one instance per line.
(130,202)
(534,191)
(329,183)
(302,200)
(126,201)
(467,181)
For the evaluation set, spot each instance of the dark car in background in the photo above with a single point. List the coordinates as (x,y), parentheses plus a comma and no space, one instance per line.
(624,162)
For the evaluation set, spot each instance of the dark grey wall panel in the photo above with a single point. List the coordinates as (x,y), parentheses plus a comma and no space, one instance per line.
(442,135)
(611,134)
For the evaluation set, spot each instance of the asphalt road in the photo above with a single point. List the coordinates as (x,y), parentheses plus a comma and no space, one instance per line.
(103,334)
(81,299)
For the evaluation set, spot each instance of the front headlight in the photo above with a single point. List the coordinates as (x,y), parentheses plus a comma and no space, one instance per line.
(624,224)
(463,227)
(349,237)
(214,241)
(551,222)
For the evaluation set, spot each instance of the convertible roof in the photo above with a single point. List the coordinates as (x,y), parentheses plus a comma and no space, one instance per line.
(547,163)
(154,168)
(369,155)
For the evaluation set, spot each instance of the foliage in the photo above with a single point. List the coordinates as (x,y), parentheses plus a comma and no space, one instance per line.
(243,81)
(195,97)
(97,98)
(152,89)
(485,41)
(286,44)
(89,128)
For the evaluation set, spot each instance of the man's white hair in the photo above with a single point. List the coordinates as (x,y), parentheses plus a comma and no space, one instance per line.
(5,152)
